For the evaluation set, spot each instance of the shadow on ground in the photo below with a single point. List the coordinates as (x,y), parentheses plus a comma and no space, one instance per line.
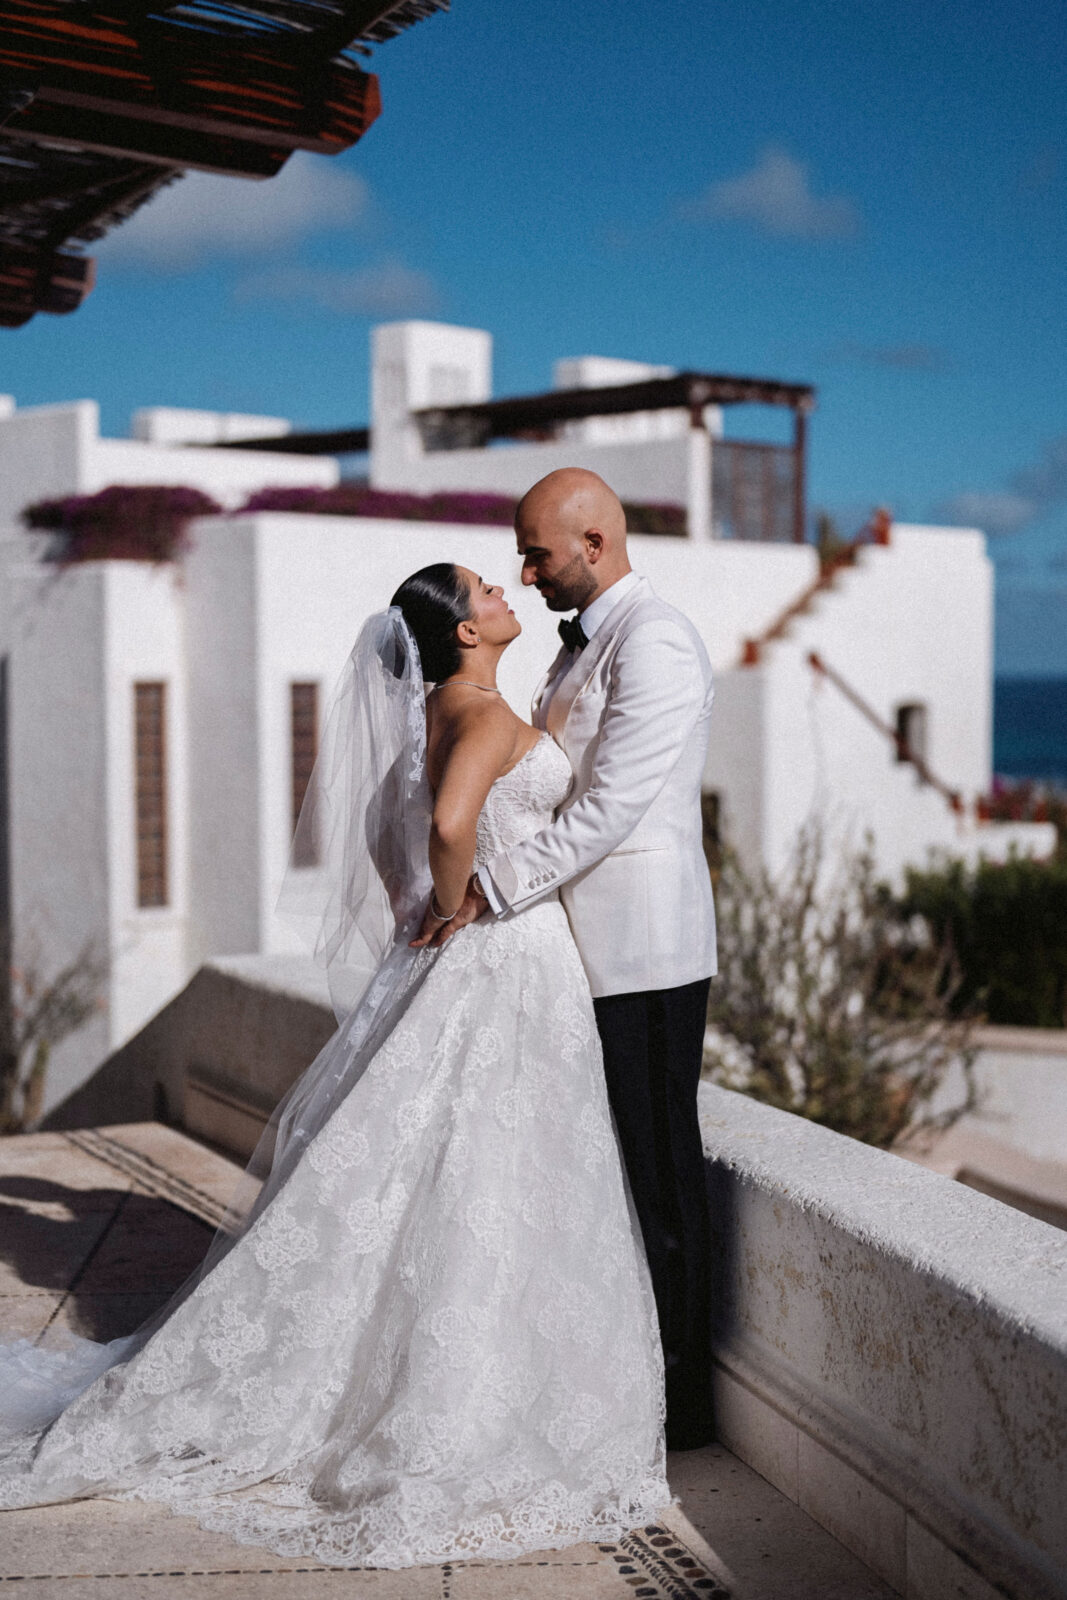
(110,1257)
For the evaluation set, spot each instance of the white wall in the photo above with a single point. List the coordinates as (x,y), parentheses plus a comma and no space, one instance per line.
(652,469)
(60,848)
(1022,1079)
(13,553)
(266,599)
(42,453)
(729,590)
(350,568)
(179,425)
(736,767)
(419,364)
(78,642)
(413,365)
(230,475)
(911,622)
(276,598)
(604,372)
(48,451)
(222,643)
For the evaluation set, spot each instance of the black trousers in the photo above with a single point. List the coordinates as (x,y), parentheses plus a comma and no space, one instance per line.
(653,1044)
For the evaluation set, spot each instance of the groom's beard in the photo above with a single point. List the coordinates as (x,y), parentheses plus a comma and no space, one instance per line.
(572,587)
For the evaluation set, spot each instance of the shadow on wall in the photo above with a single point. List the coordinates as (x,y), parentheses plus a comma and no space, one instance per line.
(217,1059)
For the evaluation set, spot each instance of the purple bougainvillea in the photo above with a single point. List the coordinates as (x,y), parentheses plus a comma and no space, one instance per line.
(485,510)
(124,522)
(656,516)
(360,500)
(148,522)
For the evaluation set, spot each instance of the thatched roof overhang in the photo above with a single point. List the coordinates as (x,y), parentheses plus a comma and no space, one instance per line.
(103,102)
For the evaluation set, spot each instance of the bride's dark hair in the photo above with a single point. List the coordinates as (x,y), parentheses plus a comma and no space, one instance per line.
(434,601)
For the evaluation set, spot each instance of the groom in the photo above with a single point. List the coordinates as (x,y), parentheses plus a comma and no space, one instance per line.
(629,698)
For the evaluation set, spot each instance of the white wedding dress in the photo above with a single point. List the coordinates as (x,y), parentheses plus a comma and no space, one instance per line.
(439,1340)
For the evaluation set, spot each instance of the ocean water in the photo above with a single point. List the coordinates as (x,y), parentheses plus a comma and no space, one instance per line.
(1030,728)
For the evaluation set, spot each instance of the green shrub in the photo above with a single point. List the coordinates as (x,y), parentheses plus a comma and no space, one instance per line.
(831,1006)
(1008,926)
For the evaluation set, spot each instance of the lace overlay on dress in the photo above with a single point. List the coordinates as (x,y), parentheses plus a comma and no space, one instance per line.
(523,800)
(439,1340)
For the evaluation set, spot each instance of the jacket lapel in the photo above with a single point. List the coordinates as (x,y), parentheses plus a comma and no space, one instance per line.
(584,665)
(539,692)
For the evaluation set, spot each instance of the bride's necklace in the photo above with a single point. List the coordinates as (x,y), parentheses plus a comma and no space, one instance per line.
(469,683)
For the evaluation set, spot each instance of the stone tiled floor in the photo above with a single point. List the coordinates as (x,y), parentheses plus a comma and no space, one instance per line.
(99,1226)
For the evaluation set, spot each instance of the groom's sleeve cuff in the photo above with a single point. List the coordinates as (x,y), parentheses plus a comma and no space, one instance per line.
(492,893)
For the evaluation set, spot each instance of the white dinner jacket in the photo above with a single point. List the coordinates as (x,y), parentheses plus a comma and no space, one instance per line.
(631,712)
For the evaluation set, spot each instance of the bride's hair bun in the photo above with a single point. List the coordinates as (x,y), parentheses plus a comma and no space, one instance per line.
(434,601)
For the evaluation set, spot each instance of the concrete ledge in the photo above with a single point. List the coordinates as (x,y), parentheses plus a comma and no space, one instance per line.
(891,1354)
(999,1038)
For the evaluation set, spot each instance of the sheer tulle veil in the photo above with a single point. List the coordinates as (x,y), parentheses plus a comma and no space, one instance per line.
(356,886)
(358,870)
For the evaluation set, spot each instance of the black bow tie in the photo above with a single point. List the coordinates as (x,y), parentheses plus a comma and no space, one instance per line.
(573,634)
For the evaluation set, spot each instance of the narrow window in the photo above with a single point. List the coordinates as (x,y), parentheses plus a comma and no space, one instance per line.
(304,747)
(150,791)
(911,732)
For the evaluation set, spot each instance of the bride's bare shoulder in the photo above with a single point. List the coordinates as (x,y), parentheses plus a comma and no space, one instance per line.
(476,727)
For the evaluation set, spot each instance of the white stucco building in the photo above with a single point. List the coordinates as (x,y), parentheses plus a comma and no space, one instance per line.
(158,721)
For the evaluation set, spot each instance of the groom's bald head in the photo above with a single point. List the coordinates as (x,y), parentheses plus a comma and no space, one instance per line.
(571,533)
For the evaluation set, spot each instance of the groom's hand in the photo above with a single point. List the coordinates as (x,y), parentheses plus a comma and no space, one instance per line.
(436,932)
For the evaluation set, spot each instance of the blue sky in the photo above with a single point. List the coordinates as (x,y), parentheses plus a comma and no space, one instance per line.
(868,198)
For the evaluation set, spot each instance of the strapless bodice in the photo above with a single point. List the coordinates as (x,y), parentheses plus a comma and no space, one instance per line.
(524,800)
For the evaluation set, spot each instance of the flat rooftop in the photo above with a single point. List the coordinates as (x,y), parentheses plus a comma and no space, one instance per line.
(101,1225)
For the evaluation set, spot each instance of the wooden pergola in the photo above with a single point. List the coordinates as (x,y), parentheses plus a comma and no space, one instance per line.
(103,102)
(772,478)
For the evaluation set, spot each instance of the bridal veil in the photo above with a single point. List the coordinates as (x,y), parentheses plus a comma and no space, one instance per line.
(356,886)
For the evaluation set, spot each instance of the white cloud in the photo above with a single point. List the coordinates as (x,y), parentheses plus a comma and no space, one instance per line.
(995,511)
(388,289)
(776,197)
(205,215)
(1046,478)
(899,357)
(1031,491)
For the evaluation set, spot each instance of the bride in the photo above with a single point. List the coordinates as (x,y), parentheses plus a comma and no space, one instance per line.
(430,1335)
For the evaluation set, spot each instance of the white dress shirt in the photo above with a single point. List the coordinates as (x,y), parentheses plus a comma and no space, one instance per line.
(592,618)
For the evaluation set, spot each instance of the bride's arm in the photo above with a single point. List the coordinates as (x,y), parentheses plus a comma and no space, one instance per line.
(475,750)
